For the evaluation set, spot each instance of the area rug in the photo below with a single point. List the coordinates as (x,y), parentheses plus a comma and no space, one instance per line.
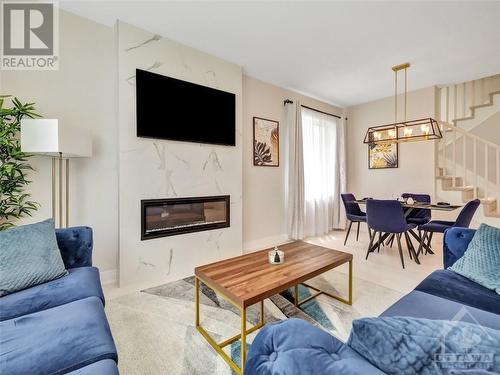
(155,334)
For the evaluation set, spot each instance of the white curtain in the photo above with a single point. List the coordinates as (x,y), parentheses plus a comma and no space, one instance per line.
(316,172)
(294,171)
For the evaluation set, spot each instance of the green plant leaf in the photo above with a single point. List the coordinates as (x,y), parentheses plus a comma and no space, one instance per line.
(14,166)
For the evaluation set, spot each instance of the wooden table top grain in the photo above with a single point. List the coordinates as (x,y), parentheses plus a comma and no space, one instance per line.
(248,279)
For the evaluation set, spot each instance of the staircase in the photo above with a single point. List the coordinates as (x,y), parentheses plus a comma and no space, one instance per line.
(467,165)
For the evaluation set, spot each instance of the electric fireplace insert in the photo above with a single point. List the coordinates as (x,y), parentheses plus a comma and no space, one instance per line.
(169,217)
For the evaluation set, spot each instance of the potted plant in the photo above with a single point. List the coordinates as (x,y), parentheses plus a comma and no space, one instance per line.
(14,202)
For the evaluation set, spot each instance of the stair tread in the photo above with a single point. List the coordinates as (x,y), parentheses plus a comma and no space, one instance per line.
(460,188)
(445,177)
(464,118)
(492,215)
(488,200)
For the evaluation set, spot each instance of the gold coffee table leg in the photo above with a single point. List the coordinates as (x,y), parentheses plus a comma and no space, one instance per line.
(243,346)
(347,301)
(219,347)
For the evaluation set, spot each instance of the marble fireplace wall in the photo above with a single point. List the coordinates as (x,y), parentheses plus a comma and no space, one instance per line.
(151,168)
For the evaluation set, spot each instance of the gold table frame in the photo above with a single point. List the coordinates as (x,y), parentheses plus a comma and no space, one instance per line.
(219,347)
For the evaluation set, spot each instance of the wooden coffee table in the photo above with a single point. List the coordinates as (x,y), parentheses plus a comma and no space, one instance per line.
(249,279)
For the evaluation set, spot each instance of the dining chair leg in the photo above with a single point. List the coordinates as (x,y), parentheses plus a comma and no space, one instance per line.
(357,232)
(400,250)
(369,231)
(348,230)
(372,237)
(429,243)
(414,254)
(391,240)
(408,244)
(420,242)
(379,241)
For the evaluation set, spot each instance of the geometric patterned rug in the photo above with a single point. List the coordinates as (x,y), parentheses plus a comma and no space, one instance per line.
(154,329)
(310,311)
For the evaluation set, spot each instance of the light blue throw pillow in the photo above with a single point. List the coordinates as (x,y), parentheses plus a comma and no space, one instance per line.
(481,260)
(29,256)
(405,345)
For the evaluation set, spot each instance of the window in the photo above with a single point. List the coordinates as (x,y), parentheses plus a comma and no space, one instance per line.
(319,132)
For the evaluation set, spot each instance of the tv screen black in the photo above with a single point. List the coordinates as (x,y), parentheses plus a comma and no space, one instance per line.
(168,108)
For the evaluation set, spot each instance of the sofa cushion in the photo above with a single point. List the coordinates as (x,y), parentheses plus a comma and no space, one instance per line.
(58,340)
(294,347)
(75,244)
(80,283)
(29,256)
(423,305)
(104,367)
(406,345)
(455,243)
(481,260)
(450,285)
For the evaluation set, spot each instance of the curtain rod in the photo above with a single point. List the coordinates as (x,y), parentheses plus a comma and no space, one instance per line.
(288,101)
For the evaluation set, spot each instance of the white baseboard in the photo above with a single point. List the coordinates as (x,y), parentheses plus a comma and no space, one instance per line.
(108,277)
(265,242)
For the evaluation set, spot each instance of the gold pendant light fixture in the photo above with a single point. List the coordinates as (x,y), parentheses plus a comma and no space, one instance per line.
(404,131)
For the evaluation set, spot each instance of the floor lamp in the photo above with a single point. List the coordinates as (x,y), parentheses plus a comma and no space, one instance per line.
(48,137)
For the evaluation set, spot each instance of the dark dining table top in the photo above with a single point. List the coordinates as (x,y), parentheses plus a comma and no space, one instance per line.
(428,206)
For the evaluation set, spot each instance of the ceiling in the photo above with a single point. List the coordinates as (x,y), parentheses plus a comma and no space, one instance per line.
(340,52)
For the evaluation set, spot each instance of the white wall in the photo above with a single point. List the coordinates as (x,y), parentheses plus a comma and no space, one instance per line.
(81,94)
(264,221)
(162,169)
(416,159)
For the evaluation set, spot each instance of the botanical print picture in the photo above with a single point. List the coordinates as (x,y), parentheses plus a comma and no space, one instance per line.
(266,142)
(383,155)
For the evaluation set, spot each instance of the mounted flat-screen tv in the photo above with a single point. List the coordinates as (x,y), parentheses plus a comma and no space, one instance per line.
(168,108)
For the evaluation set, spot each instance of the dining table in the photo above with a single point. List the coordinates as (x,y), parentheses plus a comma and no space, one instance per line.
(408,209)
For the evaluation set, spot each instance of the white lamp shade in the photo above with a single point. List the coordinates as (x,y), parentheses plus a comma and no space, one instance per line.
(49,137)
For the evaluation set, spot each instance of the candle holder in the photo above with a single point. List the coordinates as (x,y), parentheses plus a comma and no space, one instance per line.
(276,256)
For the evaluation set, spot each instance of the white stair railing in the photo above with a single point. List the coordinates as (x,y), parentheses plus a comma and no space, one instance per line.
(458,101)
(472,159)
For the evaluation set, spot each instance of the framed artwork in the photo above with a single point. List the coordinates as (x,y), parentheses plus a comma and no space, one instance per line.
(382,155)
(266,142)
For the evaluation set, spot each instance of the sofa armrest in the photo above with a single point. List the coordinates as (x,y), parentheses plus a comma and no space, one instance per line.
(75,244)
(455,243)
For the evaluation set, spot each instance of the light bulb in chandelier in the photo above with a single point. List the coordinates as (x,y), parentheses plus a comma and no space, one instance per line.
(407,132)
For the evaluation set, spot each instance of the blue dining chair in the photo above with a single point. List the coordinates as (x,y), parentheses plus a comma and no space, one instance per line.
(353,213)
(387,216)
(418,216)
(439,226)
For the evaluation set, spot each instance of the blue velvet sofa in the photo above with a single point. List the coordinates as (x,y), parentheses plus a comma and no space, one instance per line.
(294,347)
(59,327)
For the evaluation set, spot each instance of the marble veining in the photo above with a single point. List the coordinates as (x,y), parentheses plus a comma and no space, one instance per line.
(214,238)
(213,164)
(170,258)
(154,38)
(162,165)
(143,263)
(131,80)
(211,78)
